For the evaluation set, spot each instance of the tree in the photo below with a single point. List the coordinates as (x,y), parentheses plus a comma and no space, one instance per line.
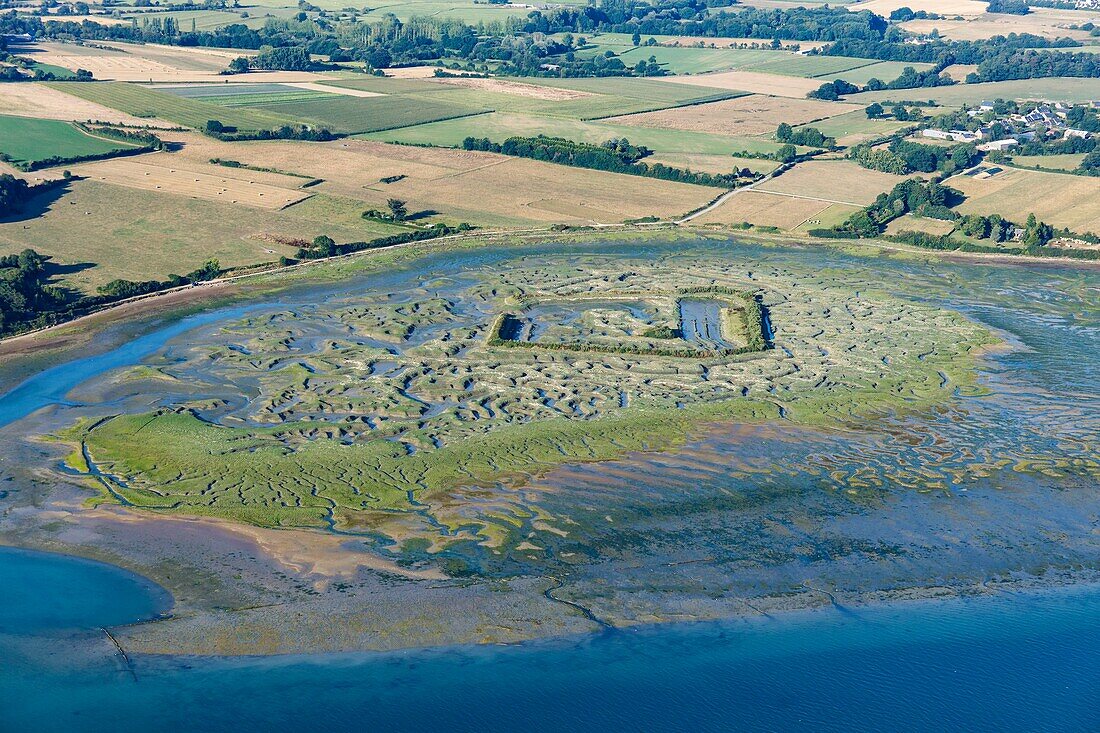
(214,126)
(901,114)
(783,132)
(324,246)
(240,65)
(874,110)
(397,209)
(636,39)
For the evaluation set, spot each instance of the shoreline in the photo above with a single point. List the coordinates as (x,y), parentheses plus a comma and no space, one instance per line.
(164,302)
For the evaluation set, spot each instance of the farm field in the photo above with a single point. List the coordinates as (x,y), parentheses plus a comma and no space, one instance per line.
(1067,162)
(155,172)
(837,181)
(1056,198)
(1064,89)
(943,7)
(854,127)
(440,184)
(26,140)
(752,115)
(924,224)
(751,82)
(765,210)
(32,99)
(830,216)
(145,102)
(686,60)
(584,99)
(1046,22)
(498,127)
(143,234)
(883,71)
(811,66)
(341,113)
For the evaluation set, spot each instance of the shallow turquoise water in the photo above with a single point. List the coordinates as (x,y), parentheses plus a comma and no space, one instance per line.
(1024,662)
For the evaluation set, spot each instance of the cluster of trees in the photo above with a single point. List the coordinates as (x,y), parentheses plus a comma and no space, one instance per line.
(910,78)
(904,13)
(617,156)
(900,112)
(903,157)
(994,227)
(806,136)
(1011,7)
(999,58)
(119,289)
(215,128)
(26,297)
(912,196)
(396,212)
(324,246)
(285,58)
(14,194)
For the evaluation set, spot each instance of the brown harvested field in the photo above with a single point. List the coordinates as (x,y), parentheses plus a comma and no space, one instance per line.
(117,61)
(412,72)
(1045,22)
(943,7)
(481,188)
(102,232)
(37,100)
(764,209)
(513,87)
(836,181)
(958,72)
(750,81)
(755,114)
(910,223)
(1060,199)
(157,172)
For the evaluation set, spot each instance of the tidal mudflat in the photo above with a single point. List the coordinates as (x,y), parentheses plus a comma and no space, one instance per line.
(363,466)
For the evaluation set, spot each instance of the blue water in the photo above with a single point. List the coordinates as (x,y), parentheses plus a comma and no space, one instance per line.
(49,386)
(1019,662)
(44,592)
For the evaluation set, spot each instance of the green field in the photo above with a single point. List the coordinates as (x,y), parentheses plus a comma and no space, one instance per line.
(145,102)
(1067,162)
(342,113)
(855,123)
(499,126)
(810,66)
(1064,89)
(26,140)
(883,71)
(686,60)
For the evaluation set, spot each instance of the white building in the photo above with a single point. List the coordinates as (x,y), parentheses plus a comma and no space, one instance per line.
(999,145)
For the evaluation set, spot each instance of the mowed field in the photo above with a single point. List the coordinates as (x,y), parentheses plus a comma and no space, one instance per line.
(146,234)
(157,172)
(25,140)
(1064,89)
(1066,162)
(755,114)
(751,81)
(500,126)
(142,101)
(118,61)
(1046,22)
(484,189)
(582,99)
(854,127)
(835,181)
(1057,198)
(38,100)
(943,7)
(765,209)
